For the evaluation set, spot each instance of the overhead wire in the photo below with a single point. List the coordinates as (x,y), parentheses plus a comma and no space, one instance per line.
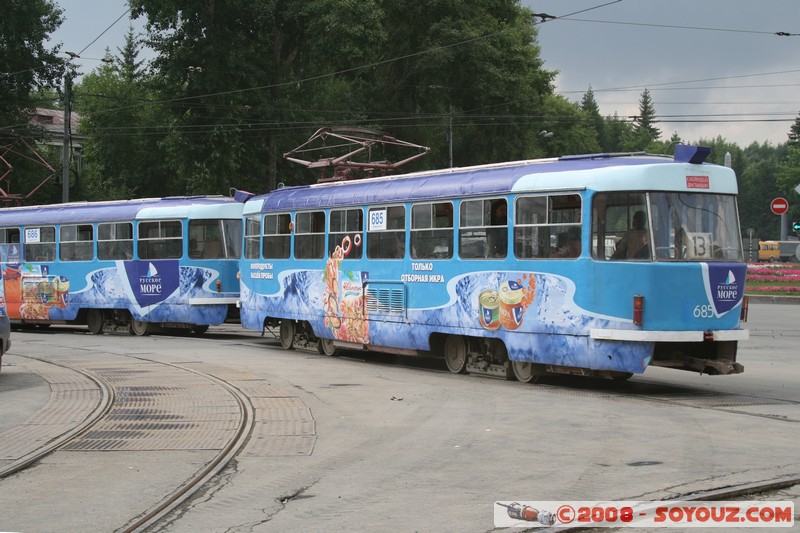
(679,27)
(187,100)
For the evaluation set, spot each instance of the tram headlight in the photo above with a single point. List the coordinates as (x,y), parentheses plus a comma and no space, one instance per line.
(638,310)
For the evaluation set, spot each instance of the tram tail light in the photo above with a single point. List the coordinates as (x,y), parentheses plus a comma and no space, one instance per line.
(219,285)
(745,307)
(638,310)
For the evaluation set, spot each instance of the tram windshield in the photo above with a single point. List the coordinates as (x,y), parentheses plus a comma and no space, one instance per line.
(666,226)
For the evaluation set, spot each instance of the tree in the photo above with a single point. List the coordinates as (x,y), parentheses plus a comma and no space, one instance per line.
(27,68)
(570,127)
(26,65)
(239,77)
(645,131)
(474,65)
(590,107)
(757,186)
(794,132)
(787,178)
(123,125)
(619,134)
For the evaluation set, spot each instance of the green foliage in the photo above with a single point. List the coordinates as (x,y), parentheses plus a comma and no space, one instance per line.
(645,131)
(28,69)
(596,122)
(794,132)
(476,64)
(571,127)
(25,63)
(236,84)
(123,126)
(437,69)
(787,178)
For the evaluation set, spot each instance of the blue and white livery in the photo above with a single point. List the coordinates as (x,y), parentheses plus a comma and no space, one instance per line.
(128,264)
(599,265)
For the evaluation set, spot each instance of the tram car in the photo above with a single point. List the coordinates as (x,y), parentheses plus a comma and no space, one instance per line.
(600,264)
(123,265)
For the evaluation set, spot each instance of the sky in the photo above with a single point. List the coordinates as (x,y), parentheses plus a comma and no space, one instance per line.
(713,67)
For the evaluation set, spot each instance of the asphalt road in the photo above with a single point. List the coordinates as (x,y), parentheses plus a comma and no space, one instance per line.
(364,443)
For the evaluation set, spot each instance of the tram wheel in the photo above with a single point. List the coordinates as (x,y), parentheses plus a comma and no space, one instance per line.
(94,319)
(139,328)
(526,372)
(287,334)
(199,330)
(326,347)
(455,354)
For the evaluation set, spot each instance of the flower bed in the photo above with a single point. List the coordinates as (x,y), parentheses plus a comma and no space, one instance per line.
(777,279)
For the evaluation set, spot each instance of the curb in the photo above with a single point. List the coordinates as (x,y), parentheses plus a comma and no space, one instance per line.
(772,299)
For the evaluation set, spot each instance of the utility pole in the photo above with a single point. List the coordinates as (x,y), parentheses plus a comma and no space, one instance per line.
(450,136)
(67,141)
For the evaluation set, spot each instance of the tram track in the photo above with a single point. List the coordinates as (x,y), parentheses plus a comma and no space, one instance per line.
(170,507)
(184,492)
(54,442)
(87,431)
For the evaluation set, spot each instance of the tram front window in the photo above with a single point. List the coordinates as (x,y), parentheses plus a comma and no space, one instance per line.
(665,226)
(695,227)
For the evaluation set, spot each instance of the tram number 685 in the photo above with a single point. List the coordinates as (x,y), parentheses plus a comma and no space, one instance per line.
(377,220)
(704,311)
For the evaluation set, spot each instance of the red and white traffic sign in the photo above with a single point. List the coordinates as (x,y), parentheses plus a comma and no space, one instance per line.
(779,206)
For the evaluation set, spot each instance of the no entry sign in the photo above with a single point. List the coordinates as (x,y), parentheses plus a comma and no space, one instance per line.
(779,206)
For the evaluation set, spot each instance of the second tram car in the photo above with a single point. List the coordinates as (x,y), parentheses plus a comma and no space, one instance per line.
(601,264)
(128,264)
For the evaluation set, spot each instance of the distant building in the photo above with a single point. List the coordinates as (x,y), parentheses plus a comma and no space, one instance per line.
(52,120)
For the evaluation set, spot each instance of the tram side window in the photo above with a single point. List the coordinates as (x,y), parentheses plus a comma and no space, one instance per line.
(309,235)
(9,245)
(548,226)
(619,226)
(77,242)
(161,239)
(252,236)
(40,243)
(214,238)
(277,236)
(346,232)
(386,234)
(232,237)
(432,231)
(115,241)
(483,229)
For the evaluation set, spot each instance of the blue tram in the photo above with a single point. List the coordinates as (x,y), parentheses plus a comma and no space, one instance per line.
(601,265)
(128,264)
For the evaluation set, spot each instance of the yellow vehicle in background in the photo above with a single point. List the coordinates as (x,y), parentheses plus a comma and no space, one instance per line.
(768,251)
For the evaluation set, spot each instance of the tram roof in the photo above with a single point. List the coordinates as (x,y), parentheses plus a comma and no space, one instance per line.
(597,171)
(120,210)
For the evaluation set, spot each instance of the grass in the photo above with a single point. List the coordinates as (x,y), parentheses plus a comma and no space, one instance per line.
(778,279)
